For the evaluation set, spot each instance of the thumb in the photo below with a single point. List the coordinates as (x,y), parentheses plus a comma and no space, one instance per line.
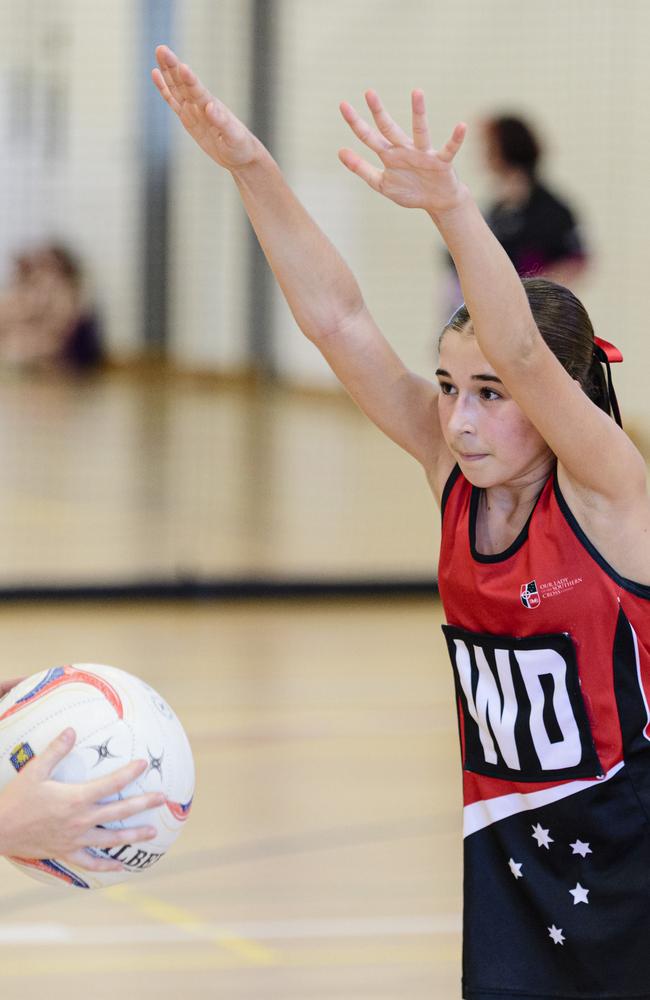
(44,763)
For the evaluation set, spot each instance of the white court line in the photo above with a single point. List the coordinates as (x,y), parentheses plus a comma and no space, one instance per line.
(274,930)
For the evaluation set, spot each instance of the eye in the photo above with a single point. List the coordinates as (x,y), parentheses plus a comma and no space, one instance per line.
(489,394)
(446,388)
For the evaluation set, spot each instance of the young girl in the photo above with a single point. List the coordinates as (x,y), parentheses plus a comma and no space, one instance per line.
(545,562)
(43,818)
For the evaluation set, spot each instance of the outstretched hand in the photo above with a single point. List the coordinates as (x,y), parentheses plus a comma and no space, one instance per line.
(211,124)
(414,174)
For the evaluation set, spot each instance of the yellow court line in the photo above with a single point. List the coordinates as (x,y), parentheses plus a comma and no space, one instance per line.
(166,913)
(104,961)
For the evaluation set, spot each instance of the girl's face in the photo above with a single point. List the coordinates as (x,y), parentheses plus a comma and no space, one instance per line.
(487,433)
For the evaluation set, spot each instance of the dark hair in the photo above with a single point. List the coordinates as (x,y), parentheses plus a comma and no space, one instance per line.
(516,143)
(566,328)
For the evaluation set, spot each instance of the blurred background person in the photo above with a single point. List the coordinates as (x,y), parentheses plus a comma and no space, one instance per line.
(46,319)
(538,230)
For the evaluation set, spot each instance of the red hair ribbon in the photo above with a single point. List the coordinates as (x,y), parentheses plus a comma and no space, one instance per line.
(612,354)
(608,355)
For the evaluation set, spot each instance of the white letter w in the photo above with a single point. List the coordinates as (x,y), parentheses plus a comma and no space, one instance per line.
(502,717)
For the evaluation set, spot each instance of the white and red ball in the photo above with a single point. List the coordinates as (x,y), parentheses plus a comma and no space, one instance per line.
(117,718)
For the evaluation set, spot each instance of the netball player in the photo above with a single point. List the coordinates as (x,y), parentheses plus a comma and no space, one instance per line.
(545,562)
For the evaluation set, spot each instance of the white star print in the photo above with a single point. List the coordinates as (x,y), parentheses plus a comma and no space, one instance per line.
(556,934)
(582,849)
(515,868)
(579,894)
(542,837)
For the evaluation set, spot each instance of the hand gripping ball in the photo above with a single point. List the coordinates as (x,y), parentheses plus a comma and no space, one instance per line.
(117,718)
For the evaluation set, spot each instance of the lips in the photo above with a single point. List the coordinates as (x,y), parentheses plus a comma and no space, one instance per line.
(471,458)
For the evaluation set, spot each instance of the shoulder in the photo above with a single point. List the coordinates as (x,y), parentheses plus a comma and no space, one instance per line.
(616,524)
(442,478)
(454,477)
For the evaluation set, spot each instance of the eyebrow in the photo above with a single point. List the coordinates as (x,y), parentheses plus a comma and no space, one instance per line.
(477,378)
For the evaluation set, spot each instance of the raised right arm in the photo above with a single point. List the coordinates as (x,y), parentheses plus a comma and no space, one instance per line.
(320,289)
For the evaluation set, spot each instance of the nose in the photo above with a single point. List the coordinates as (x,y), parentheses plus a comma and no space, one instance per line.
(462,419)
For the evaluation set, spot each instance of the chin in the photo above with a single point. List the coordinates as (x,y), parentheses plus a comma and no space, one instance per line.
(481,474)
(482,482)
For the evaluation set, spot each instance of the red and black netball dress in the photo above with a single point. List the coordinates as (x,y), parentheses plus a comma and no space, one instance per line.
(551,655)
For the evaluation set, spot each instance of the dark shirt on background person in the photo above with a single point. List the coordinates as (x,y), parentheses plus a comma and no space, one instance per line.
(538,230)
(538,233)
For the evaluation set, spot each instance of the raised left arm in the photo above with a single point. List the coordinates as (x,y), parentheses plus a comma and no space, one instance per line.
(594,453)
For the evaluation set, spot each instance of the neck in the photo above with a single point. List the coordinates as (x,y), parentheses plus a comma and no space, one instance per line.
(514,186)
(520,493)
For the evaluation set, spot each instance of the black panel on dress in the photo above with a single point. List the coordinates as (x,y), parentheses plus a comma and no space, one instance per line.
(597,841)
(523,715)
(633,710)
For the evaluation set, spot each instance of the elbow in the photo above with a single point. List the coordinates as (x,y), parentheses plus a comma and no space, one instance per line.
(346,319)
(337,320)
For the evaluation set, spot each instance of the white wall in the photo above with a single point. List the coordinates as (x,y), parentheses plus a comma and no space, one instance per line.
(69,161)
(578,68)
(210,234)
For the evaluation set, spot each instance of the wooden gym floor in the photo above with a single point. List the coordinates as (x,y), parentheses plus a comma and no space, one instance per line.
(322,857)
(126,478)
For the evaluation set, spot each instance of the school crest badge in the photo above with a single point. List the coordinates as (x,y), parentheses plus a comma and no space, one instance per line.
(530,595)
